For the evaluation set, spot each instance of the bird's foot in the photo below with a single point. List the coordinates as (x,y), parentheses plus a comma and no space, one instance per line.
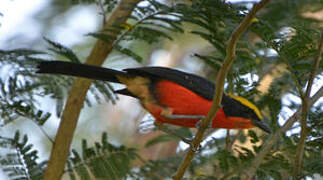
(192,147)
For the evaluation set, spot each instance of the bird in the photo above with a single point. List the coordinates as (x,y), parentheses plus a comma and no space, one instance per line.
(171,96)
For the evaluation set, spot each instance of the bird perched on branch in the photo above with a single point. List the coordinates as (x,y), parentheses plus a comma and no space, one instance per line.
(171,96)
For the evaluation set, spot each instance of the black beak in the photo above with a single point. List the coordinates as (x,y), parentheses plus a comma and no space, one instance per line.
(262,125)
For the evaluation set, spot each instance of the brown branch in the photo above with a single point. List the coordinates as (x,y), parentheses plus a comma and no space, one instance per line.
(78,92)
(230,56)
(251,169)
(227,140)
(304,128)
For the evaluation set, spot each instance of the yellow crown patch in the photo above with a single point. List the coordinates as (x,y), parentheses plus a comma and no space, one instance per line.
(247,103)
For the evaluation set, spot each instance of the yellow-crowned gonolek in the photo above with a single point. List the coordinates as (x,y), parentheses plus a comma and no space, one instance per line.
(171,96)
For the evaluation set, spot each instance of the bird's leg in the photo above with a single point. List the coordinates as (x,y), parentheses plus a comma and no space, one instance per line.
(178,116)
(168,113)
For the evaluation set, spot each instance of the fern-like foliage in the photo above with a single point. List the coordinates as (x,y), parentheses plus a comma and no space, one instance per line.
(102,161)
(296,46)
(21,86)
(149,23)
(20,159)
(313,160)
(17,89)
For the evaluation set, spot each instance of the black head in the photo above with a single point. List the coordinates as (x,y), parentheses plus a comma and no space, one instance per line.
(237,106)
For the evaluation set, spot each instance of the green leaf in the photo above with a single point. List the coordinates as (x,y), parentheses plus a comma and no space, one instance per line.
(20,160)
(129,53)
(253,135)
(104,160)
(62,50)
(102,36)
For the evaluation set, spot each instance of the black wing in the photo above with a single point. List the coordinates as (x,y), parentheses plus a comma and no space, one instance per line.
(197,84)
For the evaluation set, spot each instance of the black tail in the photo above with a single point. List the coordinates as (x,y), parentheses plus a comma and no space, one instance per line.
(79,70)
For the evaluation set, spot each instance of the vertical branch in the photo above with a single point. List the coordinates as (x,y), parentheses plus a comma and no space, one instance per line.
(227,140)
(304,128)
(78,92)
(230,56)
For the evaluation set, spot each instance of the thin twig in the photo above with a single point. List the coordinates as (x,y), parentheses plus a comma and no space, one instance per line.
(255,163)
(227,140)
(103,13)
(50,139)
(230,56)
(234,139)
(78,92)
(304,128)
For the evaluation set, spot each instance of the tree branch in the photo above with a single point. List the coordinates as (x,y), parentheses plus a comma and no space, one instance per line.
(255,163)
(78,92)
(304,128)
(230,56)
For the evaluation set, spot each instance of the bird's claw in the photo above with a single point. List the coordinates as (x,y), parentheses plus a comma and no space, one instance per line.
(190,143)
(196,149)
